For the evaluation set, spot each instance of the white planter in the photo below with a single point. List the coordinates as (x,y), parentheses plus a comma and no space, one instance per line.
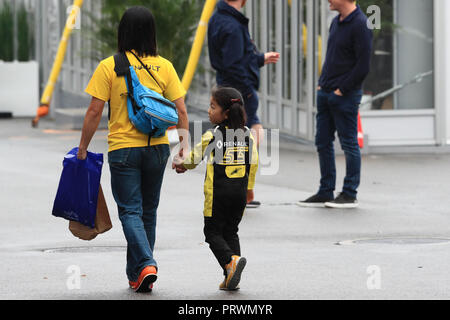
(19,88)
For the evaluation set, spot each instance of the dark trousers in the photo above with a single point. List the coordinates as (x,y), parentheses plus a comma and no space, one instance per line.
(221,231)
(335,113)
(251,109)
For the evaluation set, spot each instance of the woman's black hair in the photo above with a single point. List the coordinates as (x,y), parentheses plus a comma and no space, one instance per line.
(231,101)
(137,31)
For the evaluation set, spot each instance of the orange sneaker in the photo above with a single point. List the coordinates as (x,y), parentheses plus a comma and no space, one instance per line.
(223,286)
(145,281)
(234,271)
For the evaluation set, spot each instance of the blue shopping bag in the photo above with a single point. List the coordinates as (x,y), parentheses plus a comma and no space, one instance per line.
(77,196)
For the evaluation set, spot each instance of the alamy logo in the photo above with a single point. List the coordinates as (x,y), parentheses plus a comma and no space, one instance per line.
(374,17)
(74,19)
(374,279)
(269,149)
(74,280)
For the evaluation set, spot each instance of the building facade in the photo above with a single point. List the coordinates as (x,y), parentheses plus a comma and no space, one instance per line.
(405,96)
(406,99)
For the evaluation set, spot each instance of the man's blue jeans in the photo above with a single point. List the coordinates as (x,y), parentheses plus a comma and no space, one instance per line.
(336,113)
(136,180)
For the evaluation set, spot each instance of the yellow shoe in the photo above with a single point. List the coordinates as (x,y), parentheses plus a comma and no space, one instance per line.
(234,271)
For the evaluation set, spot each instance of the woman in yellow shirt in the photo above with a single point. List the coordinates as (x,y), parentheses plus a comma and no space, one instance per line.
(137,166)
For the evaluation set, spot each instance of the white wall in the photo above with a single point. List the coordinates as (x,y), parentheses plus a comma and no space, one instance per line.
(399,128)
(19,88)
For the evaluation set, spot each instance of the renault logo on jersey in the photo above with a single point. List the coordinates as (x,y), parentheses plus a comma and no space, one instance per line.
(219,144)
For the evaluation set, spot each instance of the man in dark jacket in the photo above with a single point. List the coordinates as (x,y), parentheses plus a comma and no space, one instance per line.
(236,59)
(234,55)
(338,97)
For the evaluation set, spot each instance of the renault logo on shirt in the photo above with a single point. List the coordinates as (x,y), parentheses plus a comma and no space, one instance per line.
(235,144)
(149,66)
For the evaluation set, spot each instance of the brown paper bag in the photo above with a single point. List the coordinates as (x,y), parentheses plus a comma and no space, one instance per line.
(102,221)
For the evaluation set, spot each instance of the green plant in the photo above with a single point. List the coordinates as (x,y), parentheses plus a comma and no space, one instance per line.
(176,22)
(23,35)
(6,33)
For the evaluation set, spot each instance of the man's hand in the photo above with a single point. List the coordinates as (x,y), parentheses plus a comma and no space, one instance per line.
(271,57)
(338,93)
(82,154)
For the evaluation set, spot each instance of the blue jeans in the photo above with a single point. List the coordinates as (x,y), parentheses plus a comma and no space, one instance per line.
(136,180)
(336,113)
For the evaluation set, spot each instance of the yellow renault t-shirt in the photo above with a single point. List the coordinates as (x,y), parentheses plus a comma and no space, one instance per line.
(106,86)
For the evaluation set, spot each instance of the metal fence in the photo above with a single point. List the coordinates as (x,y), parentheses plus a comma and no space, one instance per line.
(298,30)
(78,64)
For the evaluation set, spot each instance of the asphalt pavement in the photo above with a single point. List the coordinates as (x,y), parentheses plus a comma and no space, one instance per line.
(396,245)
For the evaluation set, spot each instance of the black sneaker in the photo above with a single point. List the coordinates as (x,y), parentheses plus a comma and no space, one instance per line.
(254,204)
(316,201)
(343,201)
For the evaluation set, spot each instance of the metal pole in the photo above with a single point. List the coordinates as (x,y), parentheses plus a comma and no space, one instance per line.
(295,23)
(264,48)
(197,46)
(15,33)
(279,66)
(310,68)
(43,109)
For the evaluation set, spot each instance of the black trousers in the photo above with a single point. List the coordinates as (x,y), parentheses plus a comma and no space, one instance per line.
(221,231)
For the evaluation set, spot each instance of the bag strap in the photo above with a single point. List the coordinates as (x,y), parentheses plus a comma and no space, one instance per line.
(122,64)
(148,70)
(122,69)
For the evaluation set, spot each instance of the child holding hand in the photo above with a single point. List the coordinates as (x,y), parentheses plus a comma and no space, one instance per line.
(232,162)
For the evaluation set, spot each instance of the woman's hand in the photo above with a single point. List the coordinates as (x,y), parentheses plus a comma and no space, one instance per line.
(184,149)
(177,164)
(338,93)
(82,154)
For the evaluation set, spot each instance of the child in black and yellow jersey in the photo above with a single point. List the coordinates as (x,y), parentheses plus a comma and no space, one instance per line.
(230,177)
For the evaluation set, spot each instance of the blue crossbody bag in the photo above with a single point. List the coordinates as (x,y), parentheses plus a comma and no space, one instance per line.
(148,111)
